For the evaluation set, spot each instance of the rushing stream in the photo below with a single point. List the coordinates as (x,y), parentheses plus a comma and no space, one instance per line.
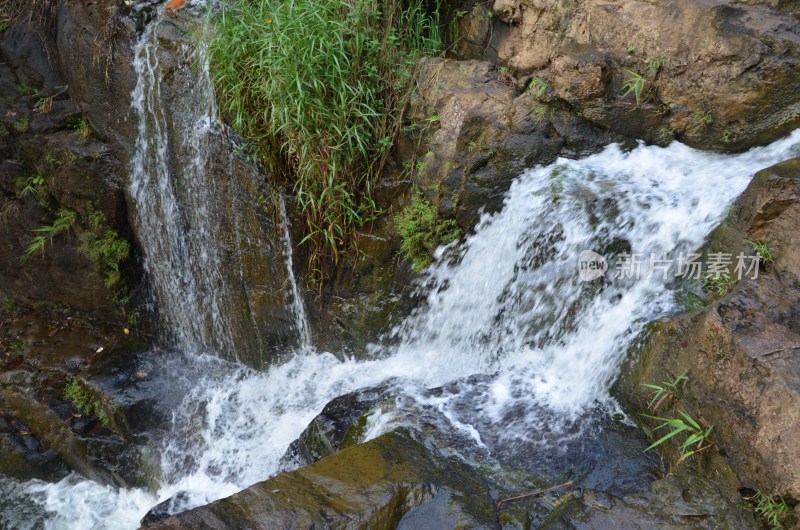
(509,306)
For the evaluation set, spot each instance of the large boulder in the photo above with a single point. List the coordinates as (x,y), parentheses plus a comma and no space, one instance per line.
(374,485)
(432,474)
(741,351)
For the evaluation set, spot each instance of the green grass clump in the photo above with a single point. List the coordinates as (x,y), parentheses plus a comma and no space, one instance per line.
(539,86)
(65,218)
(773,510)
(35,185)
(22,124)
(717,284)
(634,83)
(422,231)
(317,89)
(86,403)
(765,254)
(105,248)
(82,129)
(667,391)
(697,438)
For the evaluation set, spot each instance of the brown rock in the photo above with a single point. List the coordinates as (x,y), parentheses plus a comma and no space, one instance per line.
(742,352)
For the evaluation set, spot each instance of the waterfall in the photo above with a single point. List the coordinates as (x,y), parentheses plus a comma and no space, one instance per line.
(510,307)
(297,305)
(197,219)
(172,213)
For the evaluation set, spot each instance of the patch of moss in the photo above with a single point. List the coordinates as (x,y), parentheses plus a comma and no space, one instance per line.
(87,402)
(422,230)
(356,432)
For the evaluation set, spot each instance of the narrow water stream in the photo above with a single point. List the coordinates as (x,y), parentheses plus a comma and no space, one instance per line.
(509,306)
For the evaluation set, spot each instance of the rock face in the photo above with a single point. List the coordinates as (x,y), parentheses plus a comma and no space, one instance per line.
(43,432)
(341,424)
(374,485)
(741,352)
(50,162)
(717,74)
(213,242)
(85,60)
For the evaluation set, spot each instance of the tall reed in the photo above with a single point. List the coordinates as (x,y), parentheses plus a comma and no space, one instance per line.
(317,88)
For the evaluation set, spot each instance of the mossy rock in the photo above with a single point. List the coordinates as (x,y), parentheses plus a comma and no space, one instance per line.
(371,486)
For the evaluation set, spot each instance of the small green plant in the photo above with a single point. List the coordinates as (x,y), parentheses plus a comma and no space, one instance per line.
(82,129)
(422,231)
(43,105)
(773,509)
(105,248)
(717,284)
(669,391)
(34,185)
(728,135)
(662,110)
(655,64)
(539,86)
(87,404)
(696,442)
(765,255)
(631,49)
(22,125)
(540,111)
(27,90)
(700,120)
(64,220)
(634,84)
(665,134)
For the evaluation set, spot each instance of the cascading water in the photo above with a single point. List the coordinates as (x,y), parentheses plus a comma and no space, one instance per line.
(512,307)
(181,258)
(509,307)
(298,308)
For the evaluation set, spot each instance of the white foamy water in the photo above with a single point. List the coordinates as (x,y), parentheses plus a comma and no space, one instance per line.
(297,305)
(171,207)
(512,307)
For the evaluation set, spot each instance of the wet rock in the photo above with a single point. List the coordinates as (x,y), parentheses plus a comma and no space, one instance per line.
(341,424)
(46,166)
(682,500)
(741,352)
(44,433)
(164,510)
(374,485)
(485,133)
(606,474)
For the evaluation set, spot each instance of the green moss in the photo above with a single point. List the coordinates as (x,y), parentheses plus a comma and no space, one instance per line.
(422,231)
(106,249)
(87,402)
(356,432)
